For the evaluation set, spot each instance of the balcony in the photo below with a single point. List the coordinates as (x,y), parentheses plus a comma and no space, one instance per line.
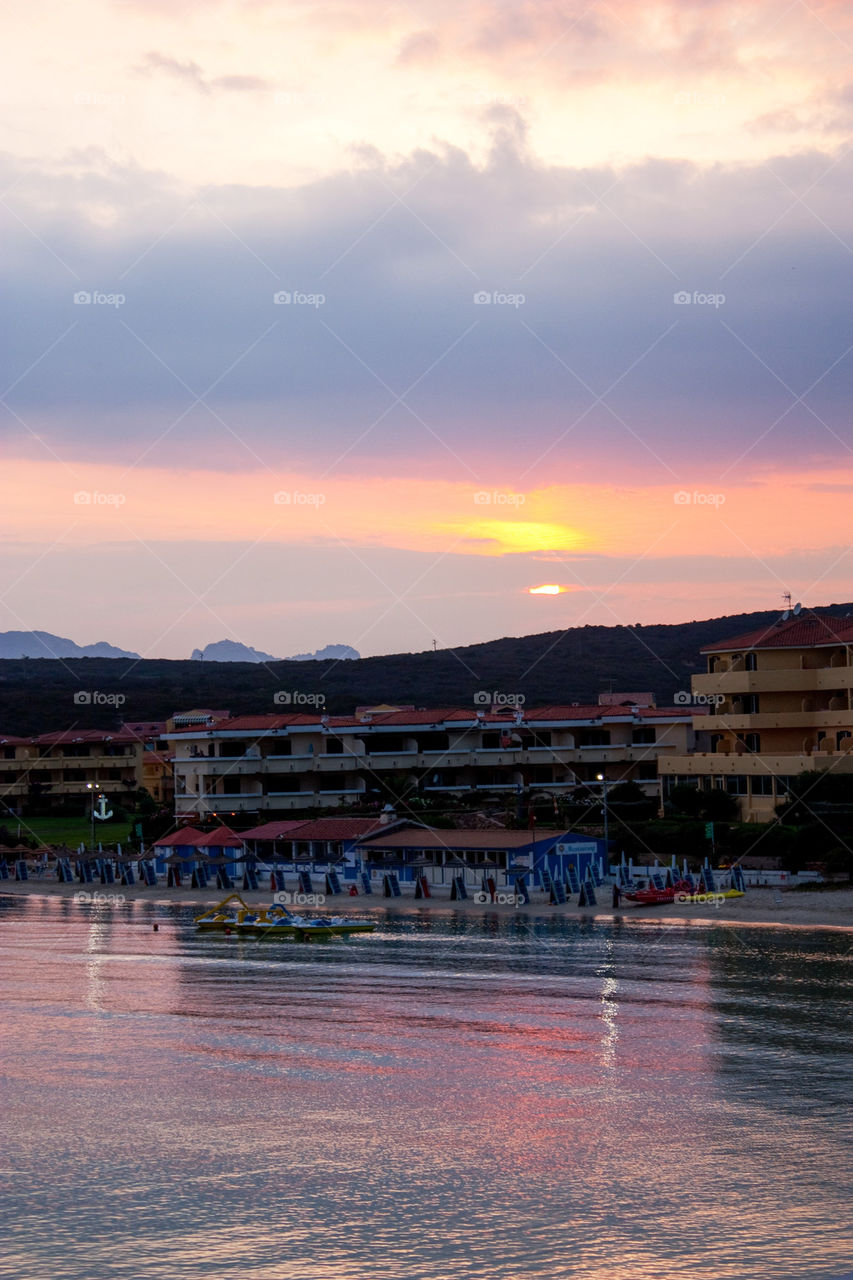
(387,760)
(782,681)
(756,722)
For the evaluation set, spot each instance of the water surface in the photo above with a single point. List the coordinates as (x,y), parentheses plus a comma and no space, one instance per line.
(458,1097)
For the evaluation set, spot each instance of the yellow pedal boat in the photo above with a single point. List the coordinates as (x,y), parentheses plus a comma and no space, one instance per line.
(233,915)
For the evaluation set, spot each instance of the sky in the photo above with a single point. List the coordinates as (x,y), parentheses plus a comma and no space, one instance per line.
(351,323)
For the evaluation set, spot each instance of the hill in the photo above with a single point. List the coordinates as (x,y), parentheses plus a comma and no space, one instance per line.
(557,666)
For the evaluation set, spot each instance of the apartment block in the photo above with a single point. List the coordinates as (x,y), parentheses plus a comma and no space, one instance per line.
(774,703)
(272,765)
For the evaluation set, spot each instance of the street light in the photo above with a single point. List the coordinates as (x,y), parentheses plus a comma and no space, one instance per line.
(90,786)
(601,778)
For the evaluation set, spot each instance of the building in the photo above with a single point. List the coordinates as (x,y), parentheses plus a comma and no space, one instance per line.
(440,855)
(274,765)
(157,776)
(62,769)
(779,701)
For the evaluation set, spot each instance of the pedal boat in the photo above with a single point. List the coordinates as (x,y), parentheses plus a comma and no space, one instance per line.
(233,915)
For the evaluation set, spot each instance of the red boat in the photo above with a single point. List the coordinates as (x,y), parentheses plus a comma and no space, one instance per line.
(652,897)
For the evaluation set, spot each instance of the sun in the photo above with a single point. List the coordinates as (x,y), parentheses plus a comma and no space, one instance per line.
(550,589)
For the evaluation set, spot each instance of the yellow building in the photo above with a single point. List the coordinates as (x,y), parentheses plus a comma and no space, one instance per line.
(773,703)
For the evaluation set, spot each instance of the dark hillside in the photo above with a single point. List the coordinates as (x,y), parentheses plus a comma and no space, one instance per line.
(37,694)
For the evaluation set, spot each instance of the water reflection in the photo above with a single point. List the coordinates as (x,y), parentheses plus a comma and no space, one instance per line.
(453,1096)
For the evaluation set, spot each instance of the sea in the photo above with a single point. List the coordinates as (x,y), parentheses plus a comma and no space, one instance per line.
(453,1097)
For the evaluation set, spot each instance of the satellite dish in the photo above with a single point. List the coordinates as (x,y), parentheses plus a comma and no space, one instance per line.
(797,608)
(785,616)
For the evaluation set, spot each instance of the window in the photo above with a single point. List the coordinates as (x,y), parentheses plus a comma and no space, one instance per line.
(594,738)
(334,747)
(736,786)
(762,785)
(642,737)
(751,662)
(748,705)
(752,742)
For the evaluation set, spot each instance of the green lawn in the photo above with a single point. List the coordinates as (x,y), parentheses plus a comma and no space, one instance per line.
(68,831)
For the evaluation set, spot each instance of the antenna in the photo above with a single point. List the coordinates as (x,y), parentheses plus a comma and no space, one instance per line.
(786,596)
(797,608)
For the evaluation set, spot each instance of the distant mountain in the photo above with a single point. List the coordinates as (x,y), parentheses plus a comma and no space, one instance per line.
(231,651)
(331,653)
(41,644)
(234,651)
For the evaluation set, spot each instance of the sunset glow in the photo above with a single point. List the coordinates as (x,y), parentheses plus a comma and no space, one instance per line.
(365,260)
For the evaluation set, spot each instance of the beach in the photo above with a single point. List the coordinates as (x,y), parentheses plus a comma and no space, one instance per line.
(823,909)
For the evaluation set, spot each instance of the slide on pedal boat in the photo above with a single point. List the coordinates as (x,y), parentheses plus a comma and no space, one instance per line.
(235,916)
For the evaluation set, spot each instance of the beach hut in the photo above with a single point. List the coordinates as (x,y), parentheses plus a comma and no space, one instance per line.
(181,843)
(222,849)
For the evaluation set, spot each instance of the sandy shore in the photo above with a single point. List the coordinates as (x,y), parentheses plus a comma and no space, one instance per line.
(828,909)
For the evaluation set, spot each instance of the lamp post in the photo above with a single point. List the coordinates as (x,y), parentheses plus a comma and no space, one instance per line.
(601,778)
(92,789)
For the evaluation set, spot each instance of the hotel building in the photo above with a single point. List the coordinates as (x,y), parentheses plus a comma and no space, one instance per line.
(273,765)
(775,702)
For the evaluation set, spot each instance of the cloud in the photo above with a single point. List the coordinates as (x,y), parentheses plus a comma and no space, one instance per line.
(191,74)
(580,353)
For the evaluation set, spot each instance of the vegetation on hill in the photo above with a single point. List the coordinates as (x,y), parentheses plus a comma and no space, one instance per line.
(575,665)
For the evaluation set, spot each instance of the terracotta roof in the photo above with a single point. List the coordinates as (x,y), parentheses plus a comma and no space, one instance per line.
(415,838)
(222,838)
(337,828)
(9,740)
(184,836)
(60,736)
(806,630)
(272,830)
(436,716)
(595,712)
